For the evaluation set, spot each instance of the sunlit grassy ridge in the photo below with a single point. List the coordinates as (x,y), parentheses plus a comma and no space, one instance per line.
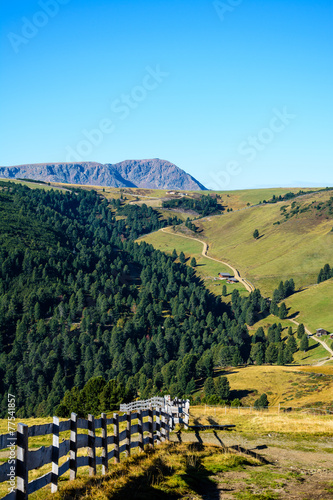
(287,385)
(315,306)
(296,248)
(258,423)
(244,197)
(206,268)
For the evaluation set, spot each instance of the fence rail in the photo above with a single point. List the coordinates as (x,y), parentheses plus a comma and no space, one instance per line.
(159,421)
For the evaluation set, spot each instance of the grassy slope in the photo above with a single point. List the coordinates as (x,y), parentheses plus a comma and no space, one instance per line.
(34,185)
(282,384)
(297,248)
(206,268)
(315,306)
(315,352)
(243,197)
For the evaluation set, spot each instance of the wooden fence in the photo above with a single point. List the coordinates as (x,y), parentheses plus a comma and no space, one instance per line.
(159,422)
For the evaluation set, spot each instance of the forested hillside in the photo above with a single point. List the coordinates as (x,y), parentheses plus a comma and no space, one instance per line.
(79,299)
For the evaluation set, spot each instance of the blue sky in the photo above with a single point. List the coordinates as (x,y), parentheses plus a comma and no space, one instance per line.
(238,93)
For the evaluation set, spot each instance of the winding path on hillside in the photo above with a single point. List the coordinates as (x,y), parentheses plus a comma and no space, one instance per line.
(322,362)
(249,287)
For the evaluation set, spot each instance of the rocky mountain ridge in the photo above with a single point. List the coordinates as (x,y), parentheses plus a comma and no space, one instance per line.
(151,173)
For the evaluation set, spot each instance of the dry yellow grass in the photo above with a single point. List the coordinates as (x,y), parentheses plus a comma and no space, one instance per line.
(169,471)
(261,422)
(287,385)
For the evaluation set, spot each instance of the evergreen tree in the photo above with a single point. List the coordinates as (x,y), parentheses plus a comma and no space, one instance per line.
(193,262)
(274,308)
(304,345)
(224,290)
(222,387)
(256,234)
(280,358)
(237,358)
(287,355)
(292,344)
(300,331)
(271,354)
(190,387)
(283,311)
(182,257)
(209,387)
(261,402)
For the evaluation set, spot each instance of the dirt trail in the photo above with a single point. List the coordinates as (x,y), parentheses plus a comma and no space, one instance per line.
(249,287)
(322,362)
(297,469)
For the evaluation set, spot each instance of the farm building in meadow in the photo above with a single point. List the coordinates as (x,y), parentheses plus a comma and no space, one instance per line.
(321,332)
(225,276)
(232,280)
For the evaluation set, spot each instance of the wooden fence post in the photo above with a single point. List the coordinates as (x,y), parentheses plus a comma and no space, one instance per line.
(73,448)
(22,462)
(151,427)
(116,437)
(140,430)
(105,463)
(158,425)
(187,414)
(128,433)
(171,421)
(55,455)
(163,429)
(91,445)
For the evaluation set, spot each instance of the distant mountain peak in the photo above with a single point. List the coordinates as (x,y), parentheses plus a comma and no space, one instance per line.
(150,173)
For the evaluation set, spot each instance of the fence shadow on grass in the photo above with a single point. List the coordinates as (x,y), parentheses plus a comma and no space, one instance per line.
(196,476)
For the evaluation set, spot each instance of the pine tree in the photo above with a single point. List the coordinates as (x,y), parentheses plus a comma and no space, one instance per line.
(304,345)
(274,309)
(237,358)
(283,311)
(287,356)
(261,402)
(300,331)
(292,344)
(271,354)
(190,388)
(222,387)
(193,262)
(182,257)
(280,358)
(256,234)
(224,291)
(209,387)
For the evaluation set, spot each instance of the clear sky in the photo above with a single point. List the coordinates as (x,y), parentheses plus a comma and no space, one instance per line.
(238,93)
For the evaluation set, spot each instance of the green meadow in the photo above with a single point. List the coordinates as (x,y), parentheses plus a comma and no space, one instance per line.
(314,305)
(206,268)
(296,248)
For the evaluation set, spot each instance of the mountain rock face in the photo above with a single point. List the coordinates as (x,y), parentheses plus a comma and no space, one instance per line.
(153,174)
